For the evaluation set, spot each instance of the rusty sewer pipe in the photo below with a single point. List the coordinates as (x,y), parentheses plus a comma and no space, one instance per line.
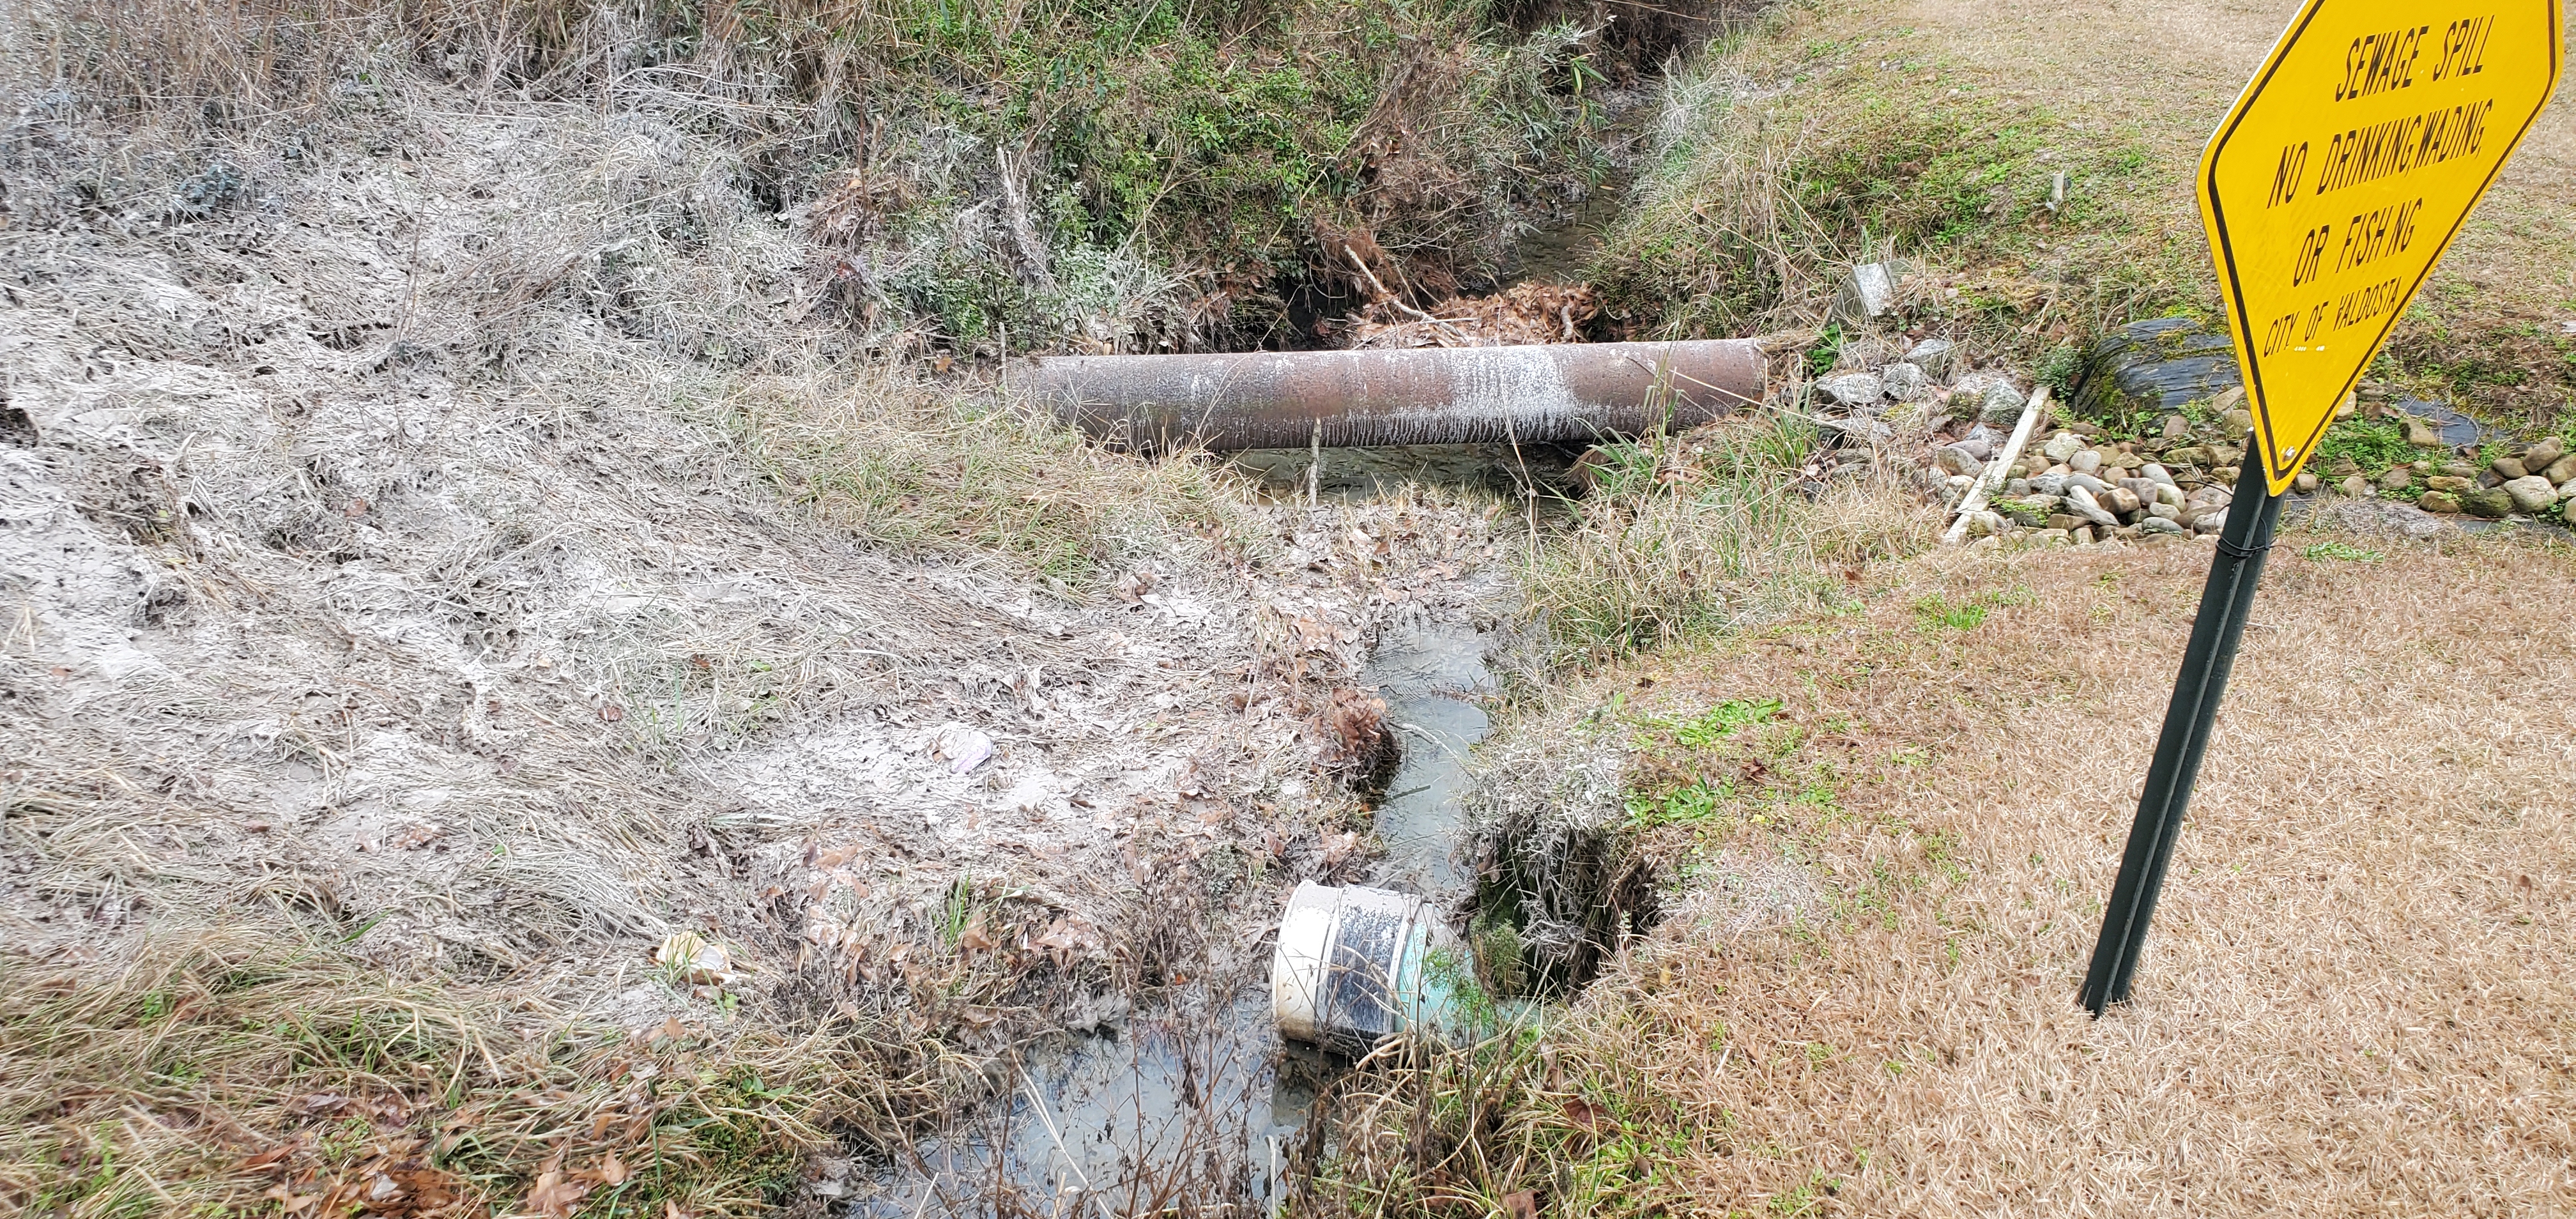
(1536,394)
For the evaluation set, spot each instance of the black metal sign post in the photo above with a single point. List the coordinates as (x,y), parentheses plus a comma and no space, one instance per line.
(2224,602)
(2304,333)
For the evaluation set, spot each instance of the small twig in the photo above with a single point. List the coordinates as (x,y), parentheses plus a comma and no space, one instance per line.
(1392,298)
(1048,1121)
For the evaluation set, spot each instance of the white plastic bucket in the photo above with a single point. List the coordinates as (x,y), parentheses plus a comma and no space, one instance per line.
(1356,965)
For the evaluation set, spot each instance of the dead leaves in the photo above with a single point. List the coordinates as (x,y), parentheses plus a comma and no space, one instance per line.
(1319,636)
(557,1194)
(1524,313)
(977,937)
(1067,936)
(1357,740)
(554,1195)
(817,857)
(271,1156)
(1338,849)
(395,1178)
(425,1191)
(414,837)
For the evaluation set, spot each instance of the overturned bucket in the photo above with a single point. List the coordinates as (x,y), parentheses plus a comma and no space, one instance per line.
(1355,966)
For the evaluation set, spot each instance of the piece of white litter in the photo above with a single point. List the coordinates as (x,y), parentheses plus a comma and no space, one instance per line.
(689,957)
(962,747)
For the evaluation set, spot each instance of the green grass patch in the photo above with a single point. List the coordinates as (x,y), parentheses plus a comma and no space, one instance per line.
(1689,804)
(2339,551)
(1720,722)
(2373,447)
(1935,613)
(2023,512)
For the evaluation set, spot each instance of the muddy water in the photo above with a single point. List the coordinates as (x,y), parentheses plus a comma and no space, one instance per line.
(1433,678)
(1198,1102)
(1561,252)
(1189,1105)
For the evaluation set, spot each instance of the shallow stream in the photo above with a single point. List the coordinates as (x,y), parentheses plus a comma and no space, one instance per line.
(1199,1100)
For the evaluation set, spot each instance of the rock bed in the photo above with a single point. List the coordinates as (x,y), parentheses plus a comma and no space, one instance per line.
(2536,480)
(2072,482)
(2076,482)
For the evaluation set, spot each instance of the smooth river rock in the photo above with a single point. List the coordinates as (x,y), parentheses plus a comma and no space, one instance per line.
(2530,493)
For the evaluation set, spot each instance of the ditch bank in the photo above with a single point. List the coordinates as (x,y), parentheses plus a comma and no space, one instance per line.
(1186,1096)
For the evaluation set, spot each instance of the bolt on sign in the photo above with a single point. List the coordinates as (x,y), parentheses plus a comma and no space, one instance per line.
(2343,173)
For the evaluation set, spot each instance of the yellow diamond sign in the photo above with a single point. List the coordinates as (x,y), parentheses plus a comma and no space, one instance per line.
(2343,173)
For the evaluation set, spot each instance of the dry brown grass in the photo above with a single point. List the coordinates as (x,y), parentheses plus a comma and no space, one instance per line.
(1869,105)
(2356,1000)
(1717,530)
(231,1072)
(247,61)
(919,467)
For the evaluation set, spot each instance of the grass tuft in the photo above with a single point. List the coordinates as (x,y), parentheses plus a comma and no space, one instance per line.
(1684,537)
(232,1073)
(921,469)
